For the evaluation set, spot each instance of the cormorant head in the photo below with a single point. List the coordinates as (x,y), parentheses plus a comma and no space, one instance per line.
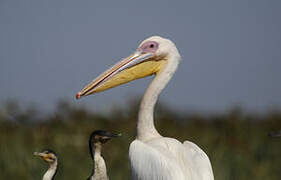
(101,136)
(47,155)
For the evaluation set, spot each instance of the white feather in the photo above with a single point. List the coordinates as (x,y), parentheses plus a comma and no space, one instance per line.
(51,171)
(167,159)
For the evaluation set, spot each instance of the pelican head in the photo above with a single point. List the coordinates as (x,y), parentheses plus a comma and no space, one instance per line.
(150,58)
(47,155)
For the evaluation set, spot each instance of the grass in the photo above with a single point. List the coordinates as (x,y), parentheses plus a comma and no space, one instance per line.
(237,144)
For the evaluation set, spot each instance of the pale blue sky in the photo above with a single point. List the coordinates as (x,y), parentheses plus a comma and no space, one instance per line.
(231,50)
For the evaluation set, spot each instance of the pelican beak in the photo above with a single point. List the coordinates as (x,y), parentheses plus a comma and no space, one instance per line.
(137,65)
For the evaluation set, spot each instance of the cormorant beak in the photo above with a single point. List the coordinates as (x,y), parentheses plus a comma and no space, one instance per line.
(275,134)
(109,136)
(39,154)
(113,135)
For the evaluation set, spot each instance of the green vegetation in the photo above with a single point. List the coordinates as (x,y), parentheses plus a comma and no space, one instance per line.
(237,144)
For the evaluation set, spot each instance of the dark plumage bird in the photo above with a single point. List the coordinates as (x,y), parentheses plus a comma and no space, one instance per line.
(97,139)
(50,157)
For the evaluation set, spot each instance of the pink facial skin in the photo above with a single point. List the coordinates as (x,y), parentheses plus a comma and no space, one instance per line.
(149,47)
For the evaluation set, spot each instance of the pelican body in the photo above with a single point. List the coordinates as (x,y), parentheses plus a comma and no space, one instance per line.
(152,156)
(50,157)
(97,139)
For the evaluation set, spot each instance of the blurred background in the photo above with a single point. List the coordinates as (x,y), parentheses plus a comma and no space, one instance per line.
(225,96)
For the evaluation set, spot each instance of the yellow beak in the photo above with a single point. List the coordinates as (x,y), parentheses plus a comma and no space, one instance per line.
(137,65)
(42,155)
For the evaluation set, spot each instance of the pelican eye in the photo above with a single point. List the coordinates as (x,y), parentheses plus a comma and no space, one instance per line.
(149,47)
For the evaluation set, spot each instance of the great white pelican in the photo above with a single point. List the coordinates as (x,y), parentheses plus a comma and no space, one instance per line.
(152,156)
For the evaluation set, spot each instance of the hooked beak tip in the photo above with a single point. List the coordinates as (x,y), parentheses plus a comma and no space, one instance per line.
(78,96)
(116,135)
